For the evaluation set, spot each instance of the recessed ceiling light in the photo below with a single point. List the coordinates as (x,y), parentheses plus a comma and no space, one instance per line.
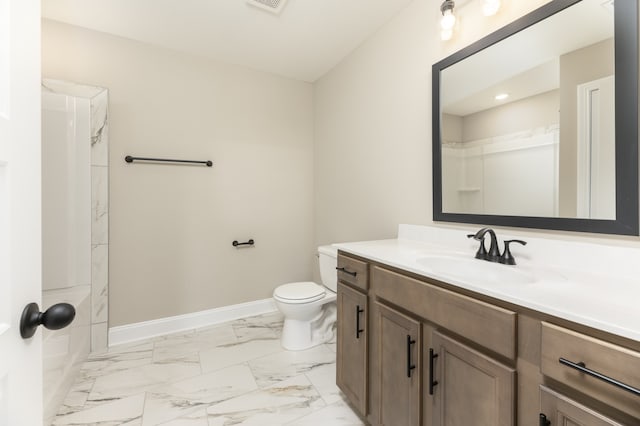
(502,96)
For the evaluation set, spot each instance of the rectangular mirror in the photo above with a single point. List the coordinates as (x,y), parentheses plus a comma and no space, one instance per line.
(535,125)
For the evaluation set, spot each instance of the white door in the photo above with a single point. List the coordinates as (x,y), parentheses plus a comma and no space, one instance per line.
(596,149)
(20,235)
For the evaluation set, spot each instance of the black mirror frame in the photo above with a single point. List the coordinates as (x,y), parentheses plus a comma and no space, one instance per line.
(626,127)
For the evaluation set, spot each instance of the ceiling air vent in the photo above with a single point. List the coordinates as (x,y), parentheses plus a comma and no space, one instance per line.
(273,6)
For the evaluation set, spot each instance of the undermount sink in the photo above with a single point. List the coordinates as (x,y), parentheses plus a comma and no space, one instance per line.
(474,270)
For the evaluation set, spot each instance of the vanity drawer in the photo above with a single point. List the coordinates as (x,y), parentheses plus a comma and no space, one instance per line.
(569,412)
(488,325)
(353,271)
(596,355)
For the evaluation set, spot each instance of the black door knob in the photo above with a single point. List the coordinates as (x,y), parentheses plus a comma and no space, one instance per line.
(56,317)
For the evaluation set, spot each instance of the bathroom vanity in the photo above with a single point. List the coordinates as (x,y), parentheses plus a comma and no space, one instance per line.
(428,335)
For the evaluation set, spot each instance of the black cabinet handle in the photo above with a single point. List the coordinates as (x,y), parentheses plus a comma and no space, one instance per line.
(410,366)
(544,421)
(359,310)
(353,274)
(432,383)
(580,366)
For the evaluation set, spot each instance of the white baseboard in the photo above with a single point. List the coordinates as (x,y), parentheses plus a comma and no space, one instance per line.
(144,330)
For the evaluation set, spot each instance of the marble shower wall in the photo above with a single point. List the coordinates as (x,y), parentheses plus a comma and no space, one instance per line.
(99,220)
(99,127)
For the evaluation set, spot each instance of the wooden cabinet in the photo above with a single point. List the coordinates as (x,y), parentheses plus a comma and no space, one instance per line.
(603,365)
(398,369)
(464,386)
(415,351)
(490,326)
(354,272)
(557,409)
(468,387)
(351,369)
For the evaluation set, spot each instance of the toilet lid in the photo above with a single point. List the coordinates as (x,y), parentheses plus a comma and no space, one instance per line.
(302,292)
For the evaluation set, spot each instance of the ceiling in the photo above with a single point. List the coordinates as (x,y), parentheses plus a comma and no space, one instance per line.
(526,63)
(307,39)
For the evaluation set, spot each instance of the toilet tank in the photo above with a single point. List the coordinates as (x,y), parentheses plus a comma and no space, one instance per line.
(328,261)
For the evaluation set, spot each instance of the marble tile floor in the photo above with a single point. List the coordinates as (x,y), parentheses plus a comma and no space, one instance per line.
(230,374)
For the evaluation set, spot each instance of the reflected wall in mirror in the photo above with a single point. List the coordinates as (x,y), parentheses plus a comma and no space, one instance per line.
(528,128)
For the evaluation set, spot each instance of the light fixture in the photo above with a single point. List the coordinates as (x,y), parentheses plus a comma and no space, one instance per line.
(490,7)
(446,34)
(501,96)
(448,20)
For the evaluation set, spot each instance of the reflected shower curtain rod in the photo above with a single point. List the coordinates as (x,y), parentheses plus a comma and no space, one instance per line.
(130,159)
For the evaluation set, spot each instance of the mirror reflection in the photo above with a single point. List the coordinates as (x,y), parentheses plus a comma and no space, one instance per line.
(528,124)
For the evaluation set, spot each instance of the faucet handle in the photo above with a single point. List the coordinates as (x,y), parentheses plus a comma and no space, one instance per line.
(482,251)
(506,257)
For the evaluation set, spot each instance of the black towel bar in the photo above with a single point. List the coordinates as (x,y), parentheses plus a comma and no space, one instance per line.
(130,159)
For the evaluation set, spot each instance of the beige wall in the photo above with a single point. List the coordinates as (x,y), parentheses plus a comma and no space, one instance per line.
(171,227)
(578,67)
(529,113)
(373,126)
(372,120)
(451,126)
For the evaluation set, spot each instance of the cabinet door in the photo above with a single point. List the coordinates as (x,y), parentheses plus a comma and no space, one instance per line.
(351,369)
(398,367)
(562,411)
(469,388)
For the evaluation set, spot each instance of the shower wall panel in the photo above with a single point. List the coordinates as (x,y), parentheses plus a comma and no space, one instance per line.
(75,187)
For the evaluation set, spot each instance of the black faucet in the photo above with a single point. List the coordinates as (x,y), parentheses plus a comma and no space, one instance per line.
(482,251)
(507,257)
(494,253)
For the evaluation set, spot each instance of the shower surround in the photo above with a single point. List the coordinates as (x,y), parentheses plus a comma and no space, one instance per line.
(75,228)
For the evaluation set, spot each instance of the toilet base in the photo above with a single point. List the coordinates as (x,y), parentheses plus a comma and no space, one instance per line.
(300,335)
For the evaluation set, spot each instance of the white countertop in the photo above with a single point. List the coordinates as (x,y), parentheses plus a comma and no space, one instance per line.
(584,283)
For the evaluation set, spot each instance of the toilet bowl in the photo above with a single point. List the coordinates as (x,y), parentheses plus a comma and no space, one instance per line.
(309,314)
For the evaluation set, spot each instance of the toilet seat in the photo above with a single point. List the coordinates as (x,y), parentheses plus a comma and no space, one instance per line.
(300,292)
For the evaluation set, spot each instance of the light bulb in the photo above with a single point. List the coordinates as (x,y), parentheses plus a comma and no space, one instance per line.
(446,34)
(448,20)
(490,7)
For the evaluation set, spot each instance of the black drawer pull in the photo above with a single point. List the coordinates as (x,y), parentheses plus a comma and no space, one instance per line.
(580,366)
(358,329)
(410,366)
(544,421)
(353,274)
(432,383)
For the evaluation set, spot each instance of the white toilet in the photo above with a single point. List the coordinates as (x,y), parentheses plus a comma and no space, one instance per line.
(309,315)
